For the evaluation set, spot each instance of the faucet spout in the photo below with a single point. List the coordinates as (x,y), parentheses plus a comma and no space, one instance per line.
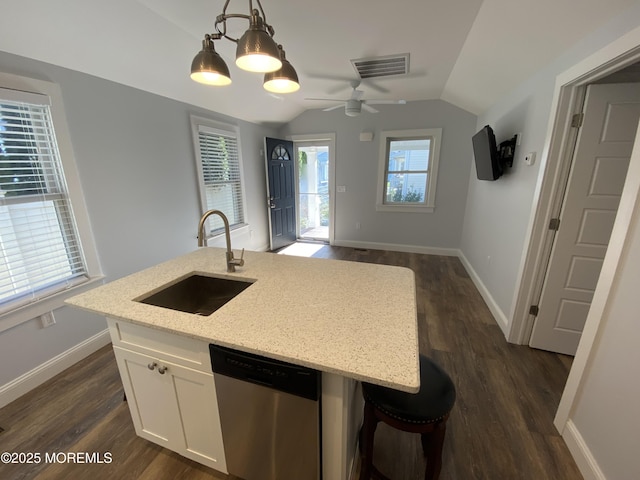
(202,240)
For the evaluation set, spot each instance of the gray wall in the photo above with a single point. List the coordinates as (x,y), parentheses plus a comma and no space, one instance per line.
(497,214)
(135,157)
(357,170)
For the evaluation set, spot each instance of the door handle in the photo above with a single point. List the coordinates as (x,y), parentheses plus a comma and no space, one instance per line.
(272,205)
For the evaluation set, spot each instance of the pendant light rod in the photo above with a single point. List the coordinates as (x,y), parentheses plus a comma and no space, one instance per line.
(224,16)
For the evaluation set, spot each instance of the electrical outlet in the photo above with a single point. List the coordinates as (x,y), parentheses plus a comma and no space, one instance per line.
(47,319)
(342,188)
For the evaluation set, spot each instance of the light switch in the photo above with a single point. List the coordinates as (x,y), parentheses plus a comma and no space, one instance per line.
(342,189)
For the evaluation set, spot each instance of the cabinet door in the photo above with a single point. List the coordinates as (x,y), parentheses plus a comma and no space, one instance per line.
(153,408)
(199,419)
(176,408)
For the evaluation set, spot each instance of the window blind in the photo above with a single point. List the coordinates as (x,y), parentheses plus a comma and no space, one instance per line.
(221,178)
(40,251)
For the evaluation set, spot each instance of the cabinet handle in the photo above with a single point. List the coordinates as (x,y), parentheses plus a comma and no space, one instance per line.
(152,366)
(162,369)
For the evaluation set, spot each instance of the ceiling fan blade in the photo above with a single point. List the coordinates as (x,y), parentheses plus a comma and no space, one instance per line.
(369,109)
(328,99)
(387,102)
(332,108)
(374,86)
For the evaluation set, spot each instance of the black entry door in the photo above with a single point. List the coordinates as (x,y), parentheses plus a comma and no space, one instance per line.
(282,192)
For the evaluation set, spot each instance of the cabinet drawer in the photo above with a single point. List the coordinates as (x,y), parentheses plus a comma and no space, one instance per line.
(185,351)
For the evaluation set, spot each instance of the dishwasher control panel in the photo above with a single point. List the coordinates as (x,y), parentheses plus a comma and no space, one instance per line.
(283,376)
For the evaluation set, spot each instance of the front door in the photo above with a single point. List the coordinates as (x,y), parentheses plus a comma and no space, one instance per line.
(281,192)
(589,208)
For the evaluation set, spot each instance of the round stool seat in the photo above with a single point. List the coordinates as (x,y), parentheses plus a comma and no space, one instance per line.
(425,412)
(434,400)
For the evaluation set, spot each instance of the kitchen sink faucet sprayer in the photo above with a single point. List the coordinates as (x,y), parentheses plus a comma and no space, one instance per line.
(202,239)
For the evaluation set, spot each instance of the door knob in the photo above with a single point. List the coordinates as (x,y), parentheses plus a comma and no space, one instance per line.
(162,369)
(152,366)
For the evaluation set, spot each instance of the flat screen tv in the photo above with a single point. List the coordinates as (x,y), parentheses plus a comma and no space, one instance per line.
(485,151)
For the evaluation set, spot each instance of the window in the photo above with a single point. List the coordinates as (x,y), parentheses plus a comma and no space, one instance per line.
(40,249)
(219,172)
(408,170)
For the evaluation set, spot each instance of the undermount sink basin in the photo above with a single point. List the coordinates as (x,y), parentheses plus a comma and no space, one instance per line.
(197,294)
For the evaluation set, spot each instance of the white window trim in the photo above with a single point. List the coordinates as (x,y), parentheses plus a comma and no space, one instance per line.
(223,129)
(76,197)
(430,202)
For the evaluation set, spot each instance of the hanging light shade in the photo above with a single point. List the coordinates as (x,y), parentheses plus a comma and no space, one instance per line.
(284,80)
(208,67)
(256,51)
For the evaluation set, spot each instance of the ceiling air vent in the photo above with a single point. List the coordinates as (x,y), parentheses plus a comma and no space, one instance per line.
(382,66)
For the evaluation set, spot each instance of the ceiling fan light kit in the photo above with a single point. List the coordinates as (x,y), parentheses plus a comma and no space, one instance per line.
(256,51)
(354,105)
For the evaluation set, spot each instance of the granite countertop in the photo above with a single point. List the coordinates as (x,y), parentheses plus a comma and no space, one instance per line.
(349,318)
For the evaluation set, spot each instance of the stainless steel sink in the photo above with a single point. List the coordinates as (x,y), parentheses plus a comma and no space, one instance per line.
(197,294)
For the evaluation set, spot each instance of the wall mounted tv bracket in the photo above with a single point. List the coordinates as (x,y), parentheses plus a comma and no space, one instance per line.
(506,151)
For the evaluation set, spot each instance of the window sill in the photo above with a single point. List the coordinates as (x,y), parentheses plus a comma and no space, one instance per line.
(405,208)
(48,304)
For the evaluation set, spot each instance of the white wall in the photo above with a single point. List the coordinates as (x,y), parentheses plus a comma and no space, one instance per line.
(605,412)
(135,158)
(357,170)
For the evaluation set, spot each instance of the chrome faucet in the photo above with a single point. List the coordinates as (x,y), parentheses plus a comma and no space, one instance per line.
(202,239)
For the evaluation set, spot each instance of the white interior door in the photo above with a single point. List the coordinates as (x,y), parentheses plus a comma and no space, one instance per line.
(598,171)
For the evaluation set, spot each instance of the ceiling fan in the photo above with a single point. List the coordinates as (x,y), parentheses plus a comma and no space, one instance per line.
(353,106)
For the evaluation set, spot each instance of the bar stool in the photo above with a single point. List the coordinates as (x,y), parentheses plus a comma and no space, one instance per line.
(425,412)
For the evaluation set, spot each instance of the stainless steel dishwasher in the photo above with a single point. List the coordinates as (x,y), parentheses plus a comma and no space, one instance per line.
(270,416)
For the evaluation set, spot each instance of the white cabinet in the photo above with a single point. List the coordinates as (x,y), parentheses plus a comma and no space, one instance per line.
(170,391)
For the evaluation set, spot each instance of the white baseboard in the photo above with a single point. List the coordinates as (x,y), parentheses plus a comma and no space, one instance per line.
(581,453)
(496,311)
(449,252)
(49,369)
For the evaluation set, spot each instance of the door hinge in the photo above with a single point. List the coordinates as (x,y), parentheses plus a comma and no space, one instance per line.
(533,310)
(577,119)
(554,224)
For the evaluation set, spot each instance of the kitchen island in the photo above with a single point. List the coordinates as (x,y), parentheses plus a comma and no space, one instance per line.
(351,321)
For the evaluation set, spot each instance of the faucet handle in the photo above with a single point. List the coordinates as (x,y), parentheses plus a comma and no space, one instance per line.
(241,261)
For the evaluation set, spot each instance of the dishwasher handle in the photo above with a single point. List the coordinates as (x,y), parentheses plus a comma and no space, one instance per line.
(259,381)
(270,373)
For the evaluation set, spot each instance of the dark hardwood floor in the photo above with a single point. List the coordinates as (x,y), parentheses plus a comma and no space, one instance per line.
(501,426)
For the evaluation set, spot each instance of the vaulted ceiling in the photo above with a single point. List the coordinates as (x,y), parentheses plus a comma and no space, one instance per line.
(467,52)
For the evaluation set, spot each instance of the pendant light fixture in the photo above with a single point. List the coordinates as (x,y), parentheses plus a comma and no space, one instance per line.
(208,67)
(284,80)
(256,51)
